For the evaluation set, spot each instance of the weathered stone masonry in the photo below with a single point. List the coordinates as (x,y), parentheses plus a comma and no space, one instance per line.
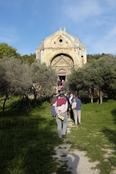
(62,52)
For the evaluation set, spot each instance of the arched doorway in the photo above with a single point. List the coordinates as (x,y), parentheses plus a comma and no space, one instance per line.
(62,74)
(62,64)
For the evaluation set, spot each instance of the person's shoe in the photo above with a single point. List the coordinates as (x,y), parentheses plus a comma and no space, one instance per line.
(64,135)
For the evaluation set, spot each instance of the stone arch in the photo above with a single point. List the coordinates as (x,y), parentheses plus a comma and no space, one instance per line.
(62,58)
(62,51)
(62,63)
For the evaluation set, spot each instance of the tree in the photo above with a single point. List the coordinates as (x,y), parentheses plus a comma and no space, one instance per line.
(28,58)
(44,79)
(7,51)
(108,74)
(94,57)
(4,86)
(16,80)
(96,77)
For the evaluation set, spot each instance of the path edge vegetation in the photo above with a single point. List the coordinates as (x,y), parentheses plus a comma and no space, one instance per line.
(96,135)
(28,84)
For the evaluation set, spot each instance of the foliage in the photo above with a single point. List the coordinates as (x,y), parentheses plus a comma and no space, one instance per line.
(27,142)
(6,51)
(96,135)
(18,76)
(28,58)
(16,79)
(23,79)
(99,75)
(3,82)
(93,57)
(44,79)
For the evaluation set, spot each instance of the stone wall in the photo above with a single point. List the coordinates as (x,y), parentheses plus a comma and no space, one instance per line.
(62,51)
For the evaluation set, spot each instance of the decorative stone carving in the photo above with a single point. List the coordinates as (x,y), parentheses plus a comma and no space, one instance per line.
(62,52)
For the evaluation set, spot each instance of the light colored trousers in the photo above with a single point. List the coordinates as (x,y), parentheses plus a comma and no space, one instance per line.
(62,125)
(77,116)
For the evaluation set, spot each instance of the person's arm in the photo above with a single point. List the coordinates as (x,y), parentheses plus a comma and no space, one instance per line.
(56,109)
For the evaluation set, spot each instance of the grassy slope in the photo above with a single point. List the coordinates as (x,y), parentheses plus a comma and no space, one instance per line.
(97,134)
(27,140)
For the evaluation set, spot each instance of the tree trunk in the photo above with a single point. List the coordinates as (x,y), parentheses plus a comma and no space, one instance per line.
(35,96)
(26,101)
(4,103)
(91,94)
(91,98)
(101,96)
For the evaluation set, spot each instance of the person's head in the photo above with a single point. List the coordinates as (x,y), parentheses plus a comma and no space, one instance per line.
(61,94)
(75,94)
(71,95)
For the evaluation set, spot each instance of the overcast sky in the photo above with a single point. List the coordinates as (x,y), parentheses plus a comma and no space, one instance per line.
(25,23)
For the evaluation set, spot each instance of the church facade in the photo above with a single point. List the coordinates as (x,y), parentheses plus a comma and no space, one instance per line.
(62,52)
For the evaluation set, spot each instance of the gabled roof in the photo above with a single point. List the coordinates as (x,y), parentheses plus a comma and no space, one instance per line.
(61,33)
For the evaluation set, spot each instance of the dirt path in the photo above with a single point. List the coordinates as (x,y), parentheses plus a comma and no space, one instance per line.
(76,161)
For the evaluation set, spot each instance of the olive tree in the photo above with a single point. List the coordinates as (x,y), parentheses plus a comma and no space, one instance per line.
(15,78)
(44,79)
(96,77)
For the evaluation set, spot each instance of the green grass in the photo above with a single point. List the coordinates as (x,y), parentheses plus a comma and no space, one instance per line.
(28,138)
(27,141)
(97,134)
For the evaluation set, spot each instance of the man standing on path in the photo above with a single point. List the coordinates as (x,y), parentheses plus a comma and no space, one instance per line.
(61,106)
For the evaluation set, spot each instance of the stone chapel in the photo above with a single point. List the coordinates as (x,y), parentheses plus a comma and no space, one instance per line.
(62,52)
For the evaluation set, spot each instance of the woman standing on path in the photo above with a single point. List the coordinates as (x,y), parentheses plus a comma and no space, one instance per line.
(61,106)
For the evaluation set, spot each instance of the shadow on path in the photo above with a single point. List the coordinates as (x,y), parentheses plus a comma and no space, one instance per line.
(73,161)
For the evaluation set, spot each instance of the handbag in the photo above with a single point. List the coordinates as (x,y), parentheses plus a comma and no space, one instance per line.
(61,117)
